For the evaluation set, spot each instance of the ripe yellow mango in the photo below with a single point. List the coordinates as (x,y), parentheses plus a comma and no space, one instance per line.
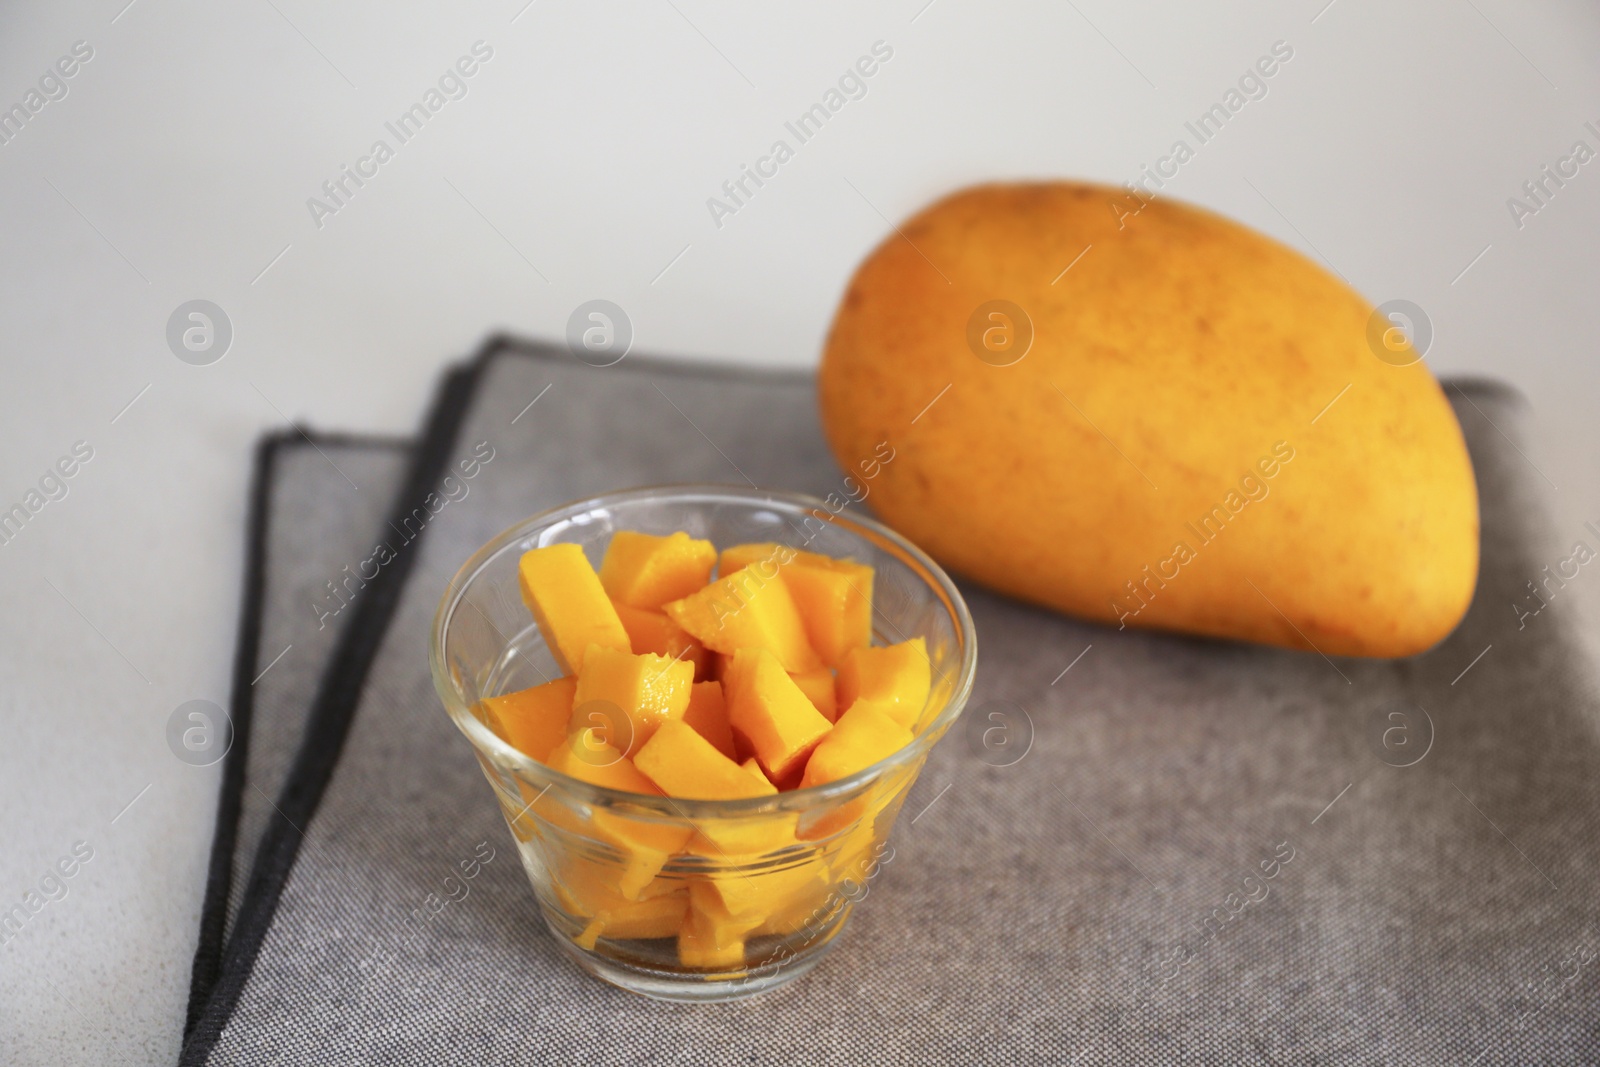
(771,716)
(863,735)
(569,603)
(682,763)
(896,678)
(648,689)
(818,686)
(834,595)
(708,714)
(645,571)
(747,609)
(1146,414)
(532,720)
(653,632)
(644,844)
(710,936)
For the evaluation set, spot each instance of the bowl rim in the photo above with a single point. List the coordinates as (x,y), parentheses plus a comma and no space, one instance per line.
(489,745)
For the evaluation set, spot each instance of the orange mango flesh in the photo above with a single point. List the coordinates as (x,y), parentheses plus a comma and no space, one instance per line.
(649,690)
(710,938)
(681,763)
(744,610)
(863,735)
(896,677)
(708,714)
(645,845)
(834,595)
(569,604)
(818,686)
(652,632)
(646,571)
(766,639)
(648,917)
(770,714)
(533,721)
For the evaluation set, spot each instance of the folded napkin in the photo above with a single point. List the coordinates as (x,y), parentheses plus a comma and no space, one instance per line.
(1187,851)
(306,538)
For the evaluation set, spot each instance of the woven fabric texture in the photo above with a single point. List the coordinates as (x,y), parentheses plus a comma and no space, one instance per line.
(1086,904)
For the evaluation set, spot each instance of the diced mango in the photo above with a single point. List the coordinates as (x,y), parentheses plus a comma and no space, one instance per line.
(752,767)
(569,604)
(818,687)
(770,714)
(708,714)
(791,694)
(609,915)
(858,855)
(754,896)
(533,721)
(681,763)
(863,735)
(896,677)
(645,571)
(629,920)
(653,632)
(645,843)
(745,610)
(709,939)
(834,595)
(771,555)
(647,918)
(870,734)
(684,764)
(649,690)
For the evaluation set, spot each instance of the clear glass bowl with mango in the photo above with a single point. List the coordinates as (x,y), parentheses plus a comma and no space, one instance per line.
(700,709)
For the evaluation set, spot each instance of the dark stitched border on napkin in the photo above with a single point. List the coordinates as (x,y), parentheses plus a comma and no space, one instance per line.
(268,721)
(319,751)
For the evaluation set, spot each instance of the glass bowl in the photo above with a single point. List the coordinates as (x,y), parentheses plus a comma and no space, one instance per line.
(694,900)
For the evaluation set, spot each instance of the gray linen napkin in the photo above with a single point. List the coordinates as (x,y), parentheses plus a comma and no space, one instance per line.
(317,543)
(303,543)
(1205,853)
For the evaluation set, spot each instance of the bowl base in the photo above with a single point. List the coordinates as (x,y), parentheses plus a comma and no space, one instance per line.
(688,987)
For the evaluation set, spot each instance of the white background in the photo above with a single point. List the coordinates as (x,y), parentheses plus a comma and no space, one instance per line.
(578,166)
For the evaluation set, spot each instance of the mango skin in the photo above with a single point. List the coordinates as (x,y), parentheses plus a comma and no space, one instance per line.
(1169,361)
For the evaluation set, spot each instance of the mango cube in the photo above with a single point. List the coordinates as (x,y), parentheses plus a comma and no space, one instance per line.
(533,721)
(681,763)
(645,571)
(750,898)
(684,764)
(627,920)
(770,714)
(569,604)
(744,610)
(752,767)
(818,686)
(653,632)
(834,595)
(711,939)
(649,690)
(645,844)
(708,714)
(863,735)
(896,677)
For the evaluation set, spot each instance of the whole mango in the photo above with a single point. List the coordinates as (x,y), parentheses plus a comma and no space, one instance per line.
(1140,412)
